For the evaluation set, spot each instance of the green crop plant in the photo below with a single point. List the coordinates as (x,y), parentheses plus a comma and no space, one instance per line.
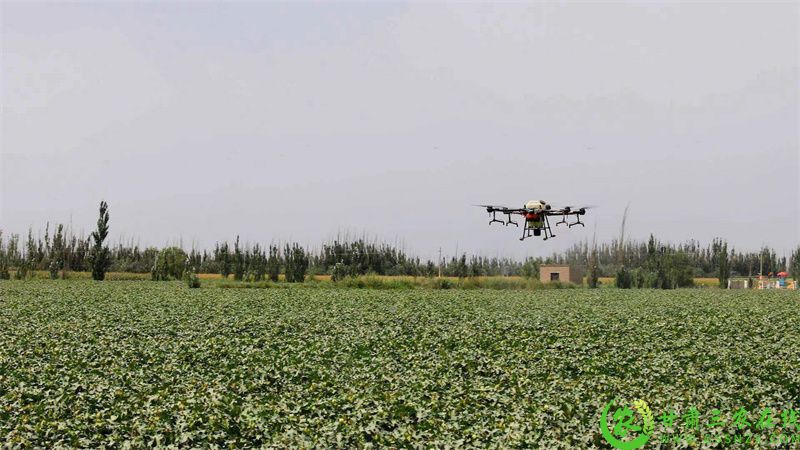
(131,364)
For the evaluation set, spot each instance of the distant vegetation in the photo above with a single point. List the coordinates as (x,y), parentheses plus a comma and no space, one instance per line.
(651,264)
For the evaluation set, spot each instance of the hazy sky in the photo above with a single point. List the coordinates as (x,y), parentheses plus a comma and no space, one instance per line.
(198,121)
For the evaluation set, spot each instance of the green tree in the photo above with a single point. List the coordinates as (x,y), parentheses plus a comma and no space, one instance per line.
(170,264)
(296,263)
(4,260)
(44,249)
(26,262)
(238,261)
(794,265)
(273,263)
(677,270)
(57,252)
(257,265)
(593,278)
(194,262)
(475,267)
(222,255)
(530,268)
(651,262)
(623,279)
(459,266)
(31,254)
(99,255)
(721,261)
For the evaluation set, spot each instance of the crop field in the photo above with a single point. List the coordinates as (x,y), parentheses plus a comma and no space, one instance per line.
(132,364)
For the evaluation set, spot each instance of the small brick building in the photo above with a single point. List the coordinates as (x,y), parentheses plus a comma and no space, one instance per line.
(560,272)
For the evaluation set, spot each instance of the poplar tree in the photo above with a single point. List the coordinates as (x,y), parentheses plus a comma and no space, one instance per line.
(273,263)
(99,255)
(238,261)
(4,260)
(720,257)
(222,256)
(296,263)
(57,252)
(594,272)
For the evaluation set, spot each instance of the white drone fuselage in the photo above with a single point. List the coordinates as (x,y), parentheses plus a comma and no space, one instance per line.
(537,205)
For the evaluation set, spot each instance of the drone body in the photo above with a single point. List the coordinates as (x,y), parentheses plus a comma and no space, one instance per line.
(536,213)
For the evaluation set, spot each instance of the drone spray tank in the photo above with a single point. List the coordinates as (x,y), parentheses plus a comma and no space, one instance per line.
(533,218)
(537,205)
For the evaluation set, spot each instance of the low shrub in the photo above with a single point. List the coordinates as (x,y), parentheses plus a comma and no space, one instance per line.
(191,279)
(339,272)
(377,282)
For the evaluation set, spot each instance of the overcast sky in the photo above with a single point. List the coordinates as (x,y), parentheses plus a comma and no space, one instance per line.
(200,121)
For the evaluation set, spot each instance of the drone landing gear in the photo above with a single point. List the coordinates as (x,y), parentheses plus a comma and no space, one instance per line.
(537,231)
(577,223)
(570,225)
(507,222)
(511,221)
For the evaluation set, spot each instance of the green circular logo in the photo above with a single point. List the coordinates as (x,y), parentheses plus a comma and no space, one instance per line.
(627,433)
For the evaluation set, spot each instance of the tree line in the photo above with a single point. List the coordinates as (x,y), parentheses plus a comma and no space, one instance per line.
(703,259)
(653,263)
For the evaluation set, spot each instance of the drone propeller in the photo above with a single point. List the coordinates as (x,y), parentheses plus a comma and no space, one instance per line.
(579,207)
(500,209)
(582,209)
